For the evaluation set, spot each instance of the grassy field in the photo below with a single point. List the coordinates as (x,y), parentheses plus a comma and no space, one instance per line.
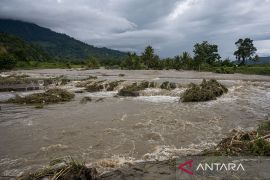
(254,69)
(45,65)
(250,69)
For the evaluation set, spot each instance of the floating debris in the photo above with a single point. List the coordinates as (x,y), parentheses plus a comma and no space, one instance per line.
(255,143)
(63,169)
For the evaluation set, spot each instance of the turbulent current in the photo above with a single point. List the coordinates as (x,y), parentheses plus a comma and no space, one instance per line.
(153,126)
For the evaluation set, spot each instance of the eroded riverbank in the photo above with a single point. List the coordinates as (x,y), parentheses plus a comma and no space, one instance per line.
(153,126)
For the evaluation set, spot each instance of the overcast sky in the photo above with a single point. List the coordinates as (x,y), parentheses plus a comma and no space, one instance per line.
(170,26)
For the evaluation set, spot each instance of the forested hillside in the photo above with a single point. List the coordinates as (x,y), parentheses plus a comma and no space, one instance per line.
(58,46)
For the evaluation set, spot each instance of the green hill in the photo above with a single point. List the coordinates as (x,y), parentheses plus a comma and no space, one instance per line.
(16,52)
(57,45)
(21,50)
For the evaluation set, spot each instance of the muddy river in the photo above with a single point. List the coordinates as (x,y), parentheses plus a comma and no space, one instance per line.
(152,126)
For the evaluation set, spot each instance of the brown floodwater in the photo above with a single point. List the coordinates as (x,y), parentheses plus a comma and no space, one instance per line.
(153,126)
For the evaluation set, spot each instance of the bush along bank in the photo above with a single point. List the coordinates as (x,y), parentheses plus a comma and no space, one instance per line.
(48,97)
(207,90)
(256,143)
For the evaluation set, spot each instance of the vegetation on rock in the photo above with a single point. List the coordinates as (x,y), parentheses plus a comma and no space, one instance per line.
(207,90)
(95,86)
(48,97)
(133,89)
(92,85)
(20,82)
(14,79)
(110,86)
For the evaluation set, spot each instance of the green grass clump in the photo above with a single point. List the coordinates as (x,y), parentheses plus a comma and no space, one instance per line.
(225,70)
(207,90)
(264,128)
(63,169)
(110,86)
(260,147)
(95,86)
(260,70)
(14,79)
(50,96)
(133,89)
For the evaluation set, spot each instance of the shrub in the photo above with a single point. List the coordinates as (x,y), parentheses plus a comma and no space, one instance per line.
(244,143)
(7,62)
(48,97)
(224,70)
(110,86)
(260,147)
(207,90)
(264,128)
(95,86)
(14,79)
(133,89)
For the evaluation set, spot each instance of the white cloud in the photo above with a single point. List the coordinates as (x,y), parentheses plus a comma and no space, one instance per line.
(169,26)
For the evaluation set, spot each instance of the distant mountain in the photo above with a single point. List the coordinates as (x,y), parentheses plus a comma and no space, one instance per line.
(262,60)
(57,45)
(21,50)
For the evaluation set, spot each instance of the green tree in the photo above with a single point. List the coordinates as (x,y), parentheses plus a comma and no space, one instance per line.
(7,62)
(205,53)
(186,60)
(132,62)
(149,58)
(245,50)
(177,63)
(167,63)
(92,63)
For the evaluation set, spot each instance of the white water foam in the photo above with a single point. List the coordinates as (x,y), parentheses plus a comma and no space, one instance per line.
(158,99)
(103,94)
(168,152)
(6,95)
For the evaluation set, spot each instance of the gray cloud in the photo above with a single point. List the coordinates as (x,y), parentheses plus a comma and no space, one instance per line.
(169,26)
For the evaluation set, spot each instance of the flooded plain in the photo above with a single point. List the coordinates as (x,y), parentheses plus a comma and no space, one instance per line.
(153,126)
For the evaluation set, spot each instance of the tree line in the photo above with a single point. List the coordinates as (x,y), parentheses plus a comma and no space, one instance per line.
(14,52)
(205,55)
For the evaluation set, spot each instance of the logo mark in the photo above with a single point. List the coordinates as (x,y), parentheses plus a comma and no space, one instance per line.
(183,168)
